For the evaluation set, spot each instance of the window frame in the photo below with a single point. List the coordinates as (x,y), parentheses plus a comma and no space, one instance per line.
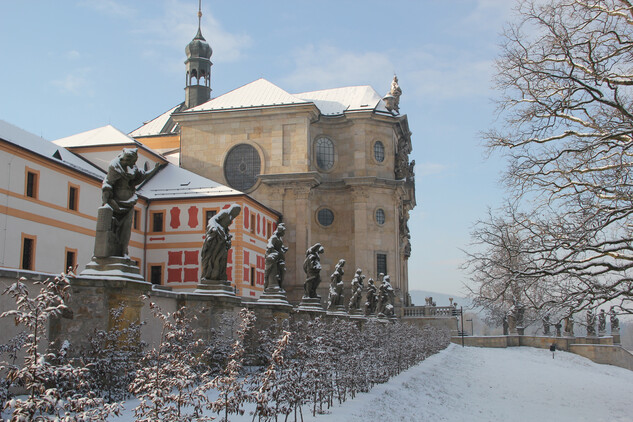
(36,184)
(151,221)
(384,152)
(325,208)
(378,255)
(72,186)
(73,265)
(150,266)
(315,150)
(33,238)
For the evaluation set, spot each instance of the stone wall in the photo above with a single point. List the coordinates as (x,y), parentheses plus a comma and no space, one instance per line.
(598,349)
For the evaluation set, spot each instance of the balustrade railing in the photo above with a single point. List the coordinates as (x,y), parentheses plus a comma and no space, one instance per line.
(429,311)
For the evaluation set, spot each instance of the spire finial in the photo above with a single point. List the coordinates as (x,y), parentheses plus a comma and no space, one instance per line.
(199,12)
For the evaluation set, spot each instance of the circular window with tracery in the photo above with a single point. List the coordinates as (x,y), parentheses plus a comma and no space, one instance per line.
(325,217)
(324,153)
(242,166)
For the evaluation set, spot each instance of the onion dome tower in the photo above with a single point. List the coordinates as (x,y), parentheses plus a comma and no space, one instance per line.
(198,63)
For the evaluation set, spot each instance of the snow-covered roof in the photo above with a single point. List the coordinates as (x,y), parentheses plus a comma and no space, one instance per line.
(105,135)
(336,101)
(263,93)
(259,93)
(45,148)
(172,181)
(156,126)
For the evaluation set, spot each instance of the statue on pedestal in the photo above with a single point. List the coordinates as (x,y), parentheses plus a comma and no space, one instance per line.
(371,300)
(275,268)
(386,297)
(602,322)
(546,325)
(558,326)
(591,324)
(217,243)
(335,296)
(312,268)
(569,326)
(118,196)
(615,322)
(357,290)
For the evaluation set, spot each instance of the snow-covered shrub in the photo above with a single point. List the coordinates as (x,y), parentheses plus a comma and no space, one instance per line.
(112,357)
(167,385)
(44,367)
(230,384)
(9,354)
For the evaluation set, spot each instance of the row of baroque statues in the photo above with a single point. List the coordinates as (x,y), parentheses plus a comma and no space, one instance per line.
(118,200)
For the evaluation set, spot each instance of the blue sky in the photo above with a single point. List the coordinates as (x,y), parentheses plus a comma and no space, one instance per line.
(72,66)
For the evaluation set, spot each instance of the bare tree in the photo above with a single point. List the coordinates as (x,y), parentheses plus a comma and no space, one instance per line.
(566,73)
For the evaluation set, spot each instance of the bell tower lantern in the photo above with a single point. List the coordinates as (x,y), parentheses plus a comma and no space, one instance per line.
(198,64)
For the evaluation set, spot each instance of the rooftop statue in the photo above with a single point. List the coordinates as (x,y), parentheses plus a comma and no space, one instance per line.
(217,243)
(312,268)
(275,269)
(118,195)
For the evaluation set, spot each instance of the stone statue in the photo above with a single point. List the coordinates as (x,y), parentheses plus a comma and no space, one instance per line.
(591,324)
(312,268)
(275,268)
(512,322)
(602,322)
(386,297)
(371,300)
(505,325)
(569,326)
(335,296)
(392,99)
(520,312)
(558,326)
(615,322)
(217,243)
(118,195)
(357,290)
(546,325)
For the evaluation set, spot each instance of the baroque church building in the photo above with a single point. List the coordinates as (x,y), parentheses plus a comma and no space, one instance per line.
(334,163)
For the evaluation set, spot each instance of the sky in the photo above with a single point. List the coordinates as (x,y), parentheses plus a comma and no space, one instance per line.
(72,66)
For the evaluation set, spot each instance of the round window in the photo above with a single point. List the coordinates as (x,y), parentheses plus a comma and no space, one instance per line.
(324,153)
(379,151)
(242,166)
(325,217)
(380,216)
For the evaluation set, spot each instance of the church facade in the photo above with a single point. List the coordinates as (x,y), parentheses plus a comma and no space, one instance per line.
(334,163)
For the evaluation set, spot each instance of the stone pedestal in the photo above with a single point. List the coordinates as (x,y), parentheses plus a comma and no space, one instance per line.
(338,310)
(616,337)
(112,268)
(274,296)
(311,304)
(520,330)
(215,288)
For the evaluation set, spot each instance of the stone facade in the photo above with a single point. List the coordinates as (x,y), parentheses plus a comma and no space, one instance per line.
(291,182)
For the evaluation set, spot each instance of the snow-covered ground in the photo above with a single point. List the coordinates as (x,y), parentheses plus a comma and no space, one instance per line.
(514,384)
(483,385)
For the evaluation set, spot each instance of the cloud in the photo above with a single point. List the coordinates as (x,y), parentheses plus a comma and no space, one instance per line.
(327,66)
(110,7)
(75,83)
(426,169)
(72,54)
(176,25)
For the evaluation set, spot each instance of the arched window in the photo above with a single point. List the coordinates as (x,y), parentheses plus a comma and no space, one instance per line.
(324,148)
(379,151)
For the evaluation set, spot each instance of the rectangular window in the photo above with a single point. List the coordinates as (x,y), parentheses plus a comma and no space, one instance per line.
(269,230)
(381,263)
(71,260)
(156,274)
(209,215)
(158,222)
(252,276)
(253,222)
(32,181)
(27,260)
(73,197)
(136,220)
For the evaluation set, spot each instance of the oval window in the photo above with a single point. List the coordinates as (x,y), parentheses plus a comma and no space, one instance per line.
(324,153)
(325,217)
(379,151)
(380,216)
(242,166)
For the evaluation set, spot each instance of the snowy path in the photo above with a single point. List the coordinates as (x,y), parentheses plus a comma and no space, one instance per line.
(515,384)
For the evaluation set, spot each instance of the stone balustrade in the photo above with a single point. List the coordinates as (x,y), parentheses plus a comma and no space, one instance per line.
(428,311)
